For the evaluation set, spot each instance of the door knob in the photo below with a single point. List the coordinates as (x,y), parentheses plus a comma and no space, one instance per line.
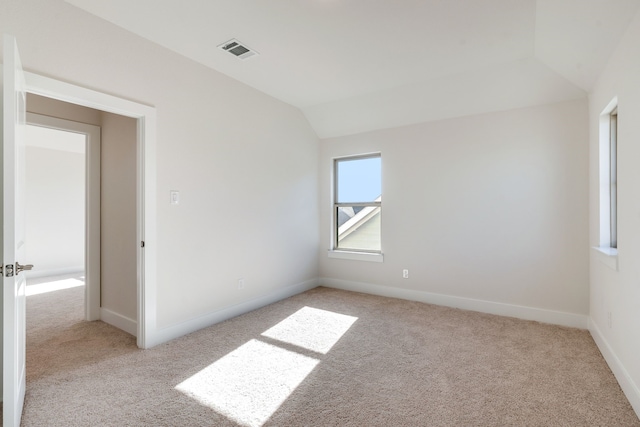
(20,267)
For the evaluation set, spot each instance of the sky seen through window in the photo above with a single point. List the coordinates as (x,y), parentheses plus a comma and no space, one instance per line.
(359,180)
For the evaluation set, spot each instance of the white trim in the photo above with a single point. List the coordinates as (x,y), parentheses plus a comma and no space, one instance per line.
(146,116)
(93,211)
(356,256)
(91,205)
(197,323)
(119,321)
(607,255)
(629,387)
(500,309)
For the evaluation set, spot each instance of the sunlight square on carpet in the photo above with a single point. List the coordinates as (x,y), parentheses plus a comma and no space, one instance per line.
(52,286)
(249,384)
(311,328)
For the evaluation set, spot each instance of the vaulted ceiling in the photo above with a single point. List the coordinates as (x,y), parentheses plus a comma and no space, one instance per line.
(358,65)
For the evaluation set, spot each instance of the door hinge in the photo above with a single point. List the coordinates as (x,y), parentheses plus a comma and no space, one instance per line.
(142,244)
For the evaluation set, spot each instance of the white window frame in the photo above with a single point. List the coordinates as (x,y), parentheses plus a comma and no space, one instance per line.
(351,254)
(608,172)
(613,179)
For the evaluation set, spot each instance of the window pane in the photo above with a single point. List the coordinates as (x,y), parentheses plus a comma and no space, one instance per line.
(359,180)
(359,228)
(613,179)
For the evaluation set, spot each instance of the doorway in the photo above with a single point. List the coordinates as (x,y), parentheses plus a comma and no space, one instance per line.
(147,333)
(63,202)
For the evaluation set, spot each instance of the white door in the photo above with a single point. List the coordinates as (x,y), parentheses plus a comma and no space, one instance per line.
(13,248)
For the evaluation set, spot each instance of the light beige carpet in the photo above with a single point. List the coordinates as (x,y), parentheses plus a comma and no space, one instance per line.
(322,358)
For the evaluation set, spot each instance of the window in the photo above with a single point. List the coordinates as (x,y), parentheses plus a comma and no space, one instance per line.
(608,160)
(357,204)
(613,179)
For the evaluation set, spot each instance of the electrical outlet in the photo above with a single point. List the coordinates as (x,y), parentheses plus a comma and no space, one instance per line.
(405,274)
(240,283)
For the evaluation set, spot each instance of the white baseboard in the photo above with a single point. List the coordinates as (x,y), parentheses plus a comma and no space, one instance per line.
(501,309)
(36,274)
(160,336)
(629,387)
(119,321)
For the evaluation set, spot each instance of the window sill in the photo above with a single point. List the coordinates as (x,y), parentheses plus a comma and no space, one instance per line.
(356,256)
(608,256)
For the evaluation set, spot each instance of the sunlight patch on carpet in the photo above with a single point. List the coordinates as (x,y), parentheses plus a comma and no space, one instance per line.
(249,384)
(311,328)
(56,285)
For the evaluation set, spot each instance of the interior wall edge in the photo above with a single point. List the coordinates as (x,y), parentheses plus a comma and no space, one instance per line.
(169,333)
(490,307)
(628,386)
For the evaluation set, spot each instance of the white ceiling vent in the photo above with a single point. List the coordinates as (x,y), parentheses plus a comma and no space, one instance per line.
(237,49)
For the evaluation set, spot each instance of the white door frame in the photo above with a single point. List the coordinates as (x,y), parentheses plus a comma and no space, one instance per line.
(146,185)
(91,204)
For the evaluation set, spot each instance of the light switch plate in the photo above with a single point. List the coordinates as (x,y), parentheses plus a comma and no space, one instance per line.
(174,197)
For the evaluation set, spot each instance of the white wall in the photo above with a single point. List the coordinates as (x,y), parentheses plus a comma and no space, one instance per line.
(491,208)
(55,210)
(618,292)
(245,163)
(118,238)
